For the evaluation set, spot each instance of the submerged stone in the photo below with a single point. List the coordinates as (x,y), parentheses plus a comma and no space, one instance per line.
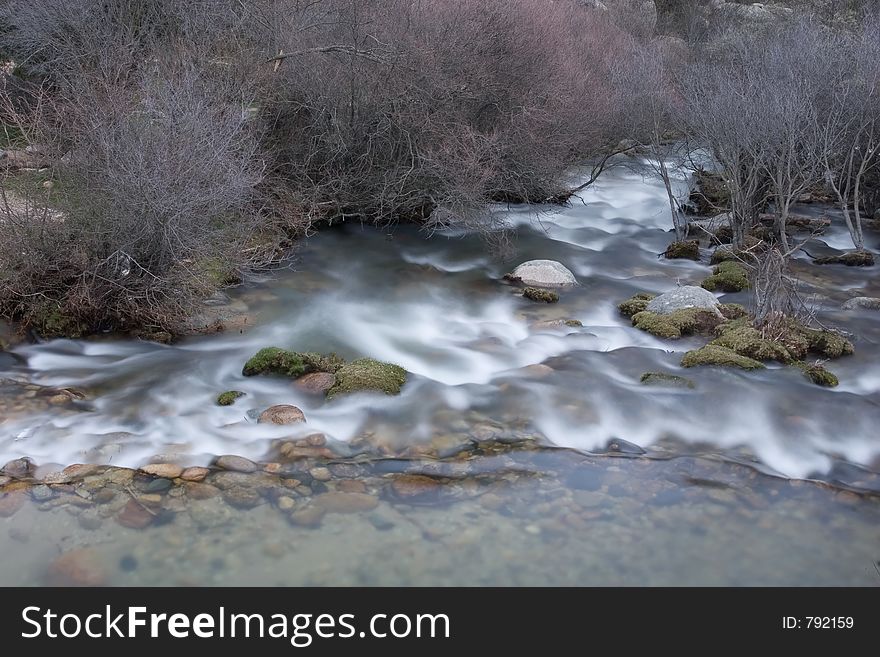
(664,379)
(282,414)
(367,374)
(228,398)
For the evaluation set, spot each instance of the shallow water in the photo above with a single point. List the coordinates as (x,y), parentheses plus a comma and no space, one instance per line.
(440,309)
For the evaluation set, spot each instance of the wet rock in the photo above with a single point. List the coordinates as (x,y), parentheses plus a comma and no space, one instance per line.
(620,446)
(165,470)
(228,398)
(686,321)
(199,491)
(321,474)
(195,474)
(241,497)
(4,480)
(236,463)
(665,380)
(285,503)
(150,499)
(42,493)
(635,304)
(820,376)
(415,487)
(316,383)
(719,356)
(228,479)
(90,519)
(728,276)
(82,567)
(682,298)
(282,414)
(340,502)
(18,468)
(134,516)
(685,250)
(290,451)
(351,486)
(104,496)
(309,516)
(556,323)
(852,259)
(585,477)
(864,303)
(368,375)
(10,503)
(543,273)
(540,295)
(157,485)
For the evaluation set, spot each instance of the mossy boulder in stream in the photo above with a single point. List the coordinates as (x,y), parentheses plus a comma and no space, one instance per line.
(672,326)
(666,380)
(829,344)
(635,304)
(684,250)
(367,374)
(228,398)
(719,356)
(747,341)
(273,360)
(728,276)
(819,375)
(538,294)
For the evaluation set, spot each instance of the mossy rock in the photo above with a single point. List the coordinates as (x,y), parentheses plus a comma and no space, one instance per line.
(273,360)
(281,362)
(733,310)
(664,379)
(711,194)
(719,356)
(748,341)
(672,326)
(573,323)
(851,259)
(635,304)
(684,250)
(819,375)
(367,374)
(829,344)
(228,398)
(728,276)
(538,294)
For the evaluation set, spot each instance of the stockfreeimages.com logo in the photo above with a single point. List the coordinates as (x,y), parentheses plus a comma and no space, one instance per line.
(300,629)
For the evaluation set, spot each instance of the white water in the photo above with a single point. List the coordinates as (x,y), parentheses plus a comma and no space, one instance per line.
(439,308)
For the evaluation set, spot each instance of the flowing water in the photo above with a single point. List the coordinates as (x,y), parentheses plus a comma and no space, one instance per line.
(552,463)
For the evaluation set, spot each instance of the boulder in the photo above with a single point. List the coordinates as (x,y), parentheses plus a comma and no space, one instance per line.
(864,303)
(282,414)
(542,273)
(681,298)
(366,375)
(317,383)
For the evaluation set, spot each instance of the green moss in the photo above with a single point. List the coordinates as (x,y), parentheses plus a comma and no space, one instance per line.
(50,321)
(273,360)
(228,398)
(322,363)
(684,250)
(710,195)
(728,276)
(748,341)
(573,322)
(218,272)
(367,374)
(537,294)
(819,375)
(719,356)
(733,310)
(827,343)
(664,379)
(686,321)
(852,259)
(635,304)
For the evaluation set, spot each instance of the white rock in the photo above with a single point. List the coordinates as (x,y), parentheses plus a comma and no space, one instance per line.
(543,273)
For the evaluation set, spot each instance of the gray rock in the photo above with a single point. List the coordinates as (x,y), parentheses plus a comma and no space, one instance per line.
(686,296)
(235,464)
(543,273)
(42,493)
(865,303)
(18,468)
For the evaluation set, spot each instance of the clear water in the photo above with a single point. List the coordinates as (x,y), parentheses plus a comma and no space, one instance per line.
(710,502)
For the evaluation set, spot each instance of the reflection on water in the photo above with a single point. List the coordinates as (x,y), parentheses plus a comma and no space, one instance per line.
(485,364)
